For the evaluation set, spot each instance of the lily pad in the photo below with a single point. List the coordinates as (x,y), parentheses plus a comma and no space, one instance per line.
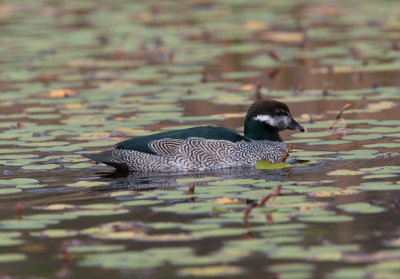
(210,271)
(54,233)
(362,137)
(11,257)
(361,207)
(85,183)
(266,165)
(41,167)
(327,219)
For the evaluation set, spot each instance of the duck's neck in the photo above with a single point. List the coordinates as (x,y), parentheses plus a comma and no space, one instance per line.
(257,130)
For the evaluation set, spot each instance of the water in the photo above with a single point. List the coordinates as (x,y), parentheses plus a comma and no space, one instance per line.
(79,77)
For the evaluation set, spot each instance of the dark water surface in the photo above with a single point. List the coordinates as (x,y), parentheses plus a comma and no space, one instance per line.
(79,76)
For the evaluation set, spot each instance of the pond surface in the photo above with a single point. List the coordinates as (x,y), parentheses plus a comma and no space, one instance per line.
(79,76)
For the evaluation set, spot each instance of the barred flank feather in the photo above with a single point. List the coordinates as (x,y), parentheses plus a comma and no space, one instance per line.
(192,154)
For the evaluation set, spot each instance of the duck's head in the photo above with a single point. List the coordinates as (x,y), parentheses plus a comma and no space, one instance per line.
(266,118)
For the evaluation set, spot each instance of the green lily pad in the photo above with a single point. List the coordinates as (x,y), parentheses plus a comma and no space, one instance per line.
(25,224)
(240,75)
(376,186)
(55,233)
(80,166)
(330,142)
(266,165)
(18,181)
(11,257)
(41,167)
(86,183)
(140,202)
(361,207)
(210,271)
(382,169)
(10,238)
(379,176)
(383,145)
(348,272)
(362,137)
(358,154)
(291,268)
(62,148)
(4,191)
(327,219)
(305,140)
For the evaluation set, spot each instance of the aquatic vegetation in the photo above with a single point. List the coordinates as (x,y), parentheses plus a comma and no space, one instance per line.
(78,77)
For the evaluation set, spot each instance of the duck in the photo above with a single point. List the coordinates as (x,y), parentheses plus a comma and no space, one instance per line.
(207,147)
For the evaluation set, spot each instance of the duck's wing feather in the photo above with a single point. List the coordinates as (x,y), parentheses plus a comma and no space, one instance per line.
(142,144)
(165,147)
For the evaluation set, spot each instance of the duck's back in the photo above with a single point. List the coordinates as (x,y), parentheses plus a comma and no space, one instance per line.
(141,144)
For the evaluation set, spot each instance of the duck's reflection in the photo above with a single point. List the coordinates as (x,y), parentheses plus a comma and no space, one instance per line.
(141,181)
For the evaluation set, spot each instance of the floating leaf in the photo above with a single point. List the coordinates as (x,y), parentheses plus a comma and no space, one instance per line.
(291,267)
(25,224)
(376,186)
(11,257)
(327,219)
(266,165)
(362,137)
(330,142)
(361,207)
(378,176)
(86,183)
(55,233)
(57,206)
(383,145)
(18,181)
(358,154)
(140,202)
(349,272)
(210,271)
(4,191)
(41,167)
(240,75)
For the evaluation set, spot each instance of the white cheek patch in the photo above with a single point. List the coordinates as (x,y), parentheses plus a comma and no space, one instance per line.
(280,122)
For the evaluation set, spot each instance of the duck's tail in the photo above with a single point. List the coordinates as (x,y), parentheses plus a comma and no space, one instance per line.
(107,157)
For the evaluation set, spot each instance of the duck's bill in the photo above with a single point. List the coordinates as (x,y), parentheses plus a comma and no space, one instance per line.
(296,126)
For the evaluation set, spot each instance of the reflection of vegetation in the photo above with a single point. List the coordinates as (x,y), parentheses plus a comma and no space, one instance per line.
(78,76)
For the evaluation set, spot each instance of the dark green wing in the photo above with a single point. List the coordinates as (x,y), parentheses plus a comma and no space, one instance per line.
(206,132)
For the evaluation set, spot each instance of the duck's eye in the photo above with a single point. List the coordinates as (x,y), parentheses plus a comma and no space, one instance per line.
(278,112)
